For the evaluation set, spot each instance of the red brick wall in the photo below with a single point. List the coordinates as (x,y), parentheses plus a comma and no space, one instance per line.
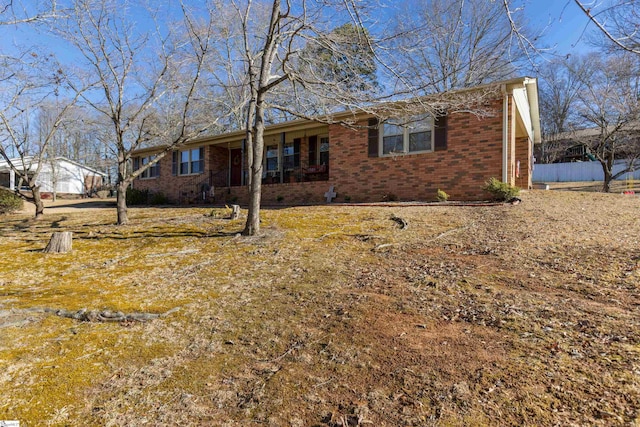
(289,193)
(473,155)
(173,186)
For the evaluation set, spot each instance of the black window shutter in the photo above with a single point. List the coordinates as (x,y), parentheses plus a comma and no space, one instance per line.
(283,139)
(296,153)
(440,137)
(174,163)
(313,147)
(201,170)
(157,165)
(136,163)
(373,137)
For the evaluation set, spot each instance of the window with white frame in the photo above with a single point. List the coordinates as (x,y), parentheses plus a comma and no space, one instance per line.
(188,162)
(151,172)
(413,135)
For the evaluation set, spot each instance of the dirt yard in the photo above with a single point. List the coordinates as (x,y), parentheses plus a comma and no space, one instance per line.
(61,206)
(335,316)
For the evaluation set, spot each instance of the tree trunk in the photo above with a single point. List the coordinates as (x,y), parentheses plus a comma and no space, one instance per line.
(607,169)
(235,212)
(121,202)
(252,226)
(37,201)
(60,242)
(606,186)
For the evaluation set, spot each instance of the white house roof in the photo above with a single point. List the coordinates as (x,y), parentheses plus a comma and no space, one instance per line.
(32,163)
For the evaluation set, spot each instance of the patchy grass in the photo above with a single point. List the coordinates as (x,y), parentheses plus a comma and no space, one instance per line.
(511,315)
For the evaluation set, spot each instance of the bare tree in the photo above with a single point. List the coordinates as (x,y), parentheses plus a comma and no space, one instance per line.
(23,145)
(54,147)
(277,71)
(22,87)
(146,77)
(15,12)
(617,21)
(283,77)
(443,44)
(560,85)
(608,112)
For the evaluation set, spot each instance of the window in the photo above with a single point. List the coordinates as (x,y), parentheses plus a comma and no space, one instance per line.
(188,162)
(324,150)
(288,156)
(291,155)
(414,135)
(152,172)
(318,150)
(272,158)
(392,138)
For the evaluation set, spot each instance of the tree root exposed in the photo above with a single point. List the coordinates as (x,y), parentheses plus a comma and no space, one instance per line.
(400,221)
(85,315)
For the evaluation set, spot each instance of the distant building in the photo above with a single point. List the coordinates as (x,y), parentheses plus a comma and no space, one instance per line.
(573,146)
(66,177)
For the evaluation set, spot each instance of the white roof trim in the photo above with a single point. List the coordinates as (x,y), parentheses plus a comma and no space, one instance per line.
(522,104)
(32,163)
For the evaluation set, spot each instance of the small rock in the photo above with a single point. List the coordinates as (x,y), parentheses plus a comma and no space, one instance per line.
(461,391)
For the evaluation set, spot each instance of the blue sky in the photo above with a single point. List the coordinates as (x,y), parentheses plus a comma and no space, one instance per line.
(562,22)
(565,30)
(565,26)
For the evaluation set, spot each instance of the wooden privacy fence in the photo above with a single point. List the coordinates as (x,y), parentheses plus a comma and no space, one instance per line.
(577,171)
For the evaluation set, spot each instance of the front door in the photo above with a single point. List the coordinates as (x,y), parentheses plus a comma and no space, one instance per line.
(236,167)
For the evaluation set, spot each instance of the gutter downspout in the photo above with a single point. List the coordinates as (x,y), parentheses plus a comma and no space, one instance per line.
(505,133)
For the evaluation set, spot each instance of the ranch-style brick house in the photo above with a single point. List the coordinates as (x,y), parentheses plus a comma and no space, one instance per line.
(368,162)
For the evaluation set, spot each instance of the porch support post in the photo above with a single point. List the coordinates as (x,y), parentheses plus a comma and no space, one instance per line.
(281,159)
(229,167)
(505,133)
(242,150)
(12,179)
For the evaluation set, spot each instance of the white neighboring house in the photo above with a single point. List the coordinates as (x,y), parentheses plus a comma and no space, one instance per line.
(70,178)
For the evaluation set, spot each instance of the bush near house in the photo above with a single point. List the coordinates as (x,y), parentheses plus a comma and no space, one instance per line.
(137,197)
(9,202)
(145,197)
(501,191)
(442,196)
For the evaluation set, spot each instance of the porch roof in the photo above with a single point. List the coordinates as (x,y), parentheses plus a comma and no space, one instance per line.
(524,90)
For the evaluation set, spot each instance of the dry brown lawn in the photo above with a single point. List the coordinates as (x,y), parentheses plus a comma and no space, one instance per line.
(485,315)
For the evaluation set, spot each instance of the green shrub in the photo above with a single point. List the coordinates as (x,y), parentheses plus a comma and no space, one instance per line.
(442,196)
(158,199)
(501,191)
(137,197)
(9,202)
(145,197)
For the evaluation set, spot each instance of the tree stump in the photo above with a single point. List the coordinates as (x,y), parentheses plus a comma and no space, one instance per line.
(60,242)
(235,211)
